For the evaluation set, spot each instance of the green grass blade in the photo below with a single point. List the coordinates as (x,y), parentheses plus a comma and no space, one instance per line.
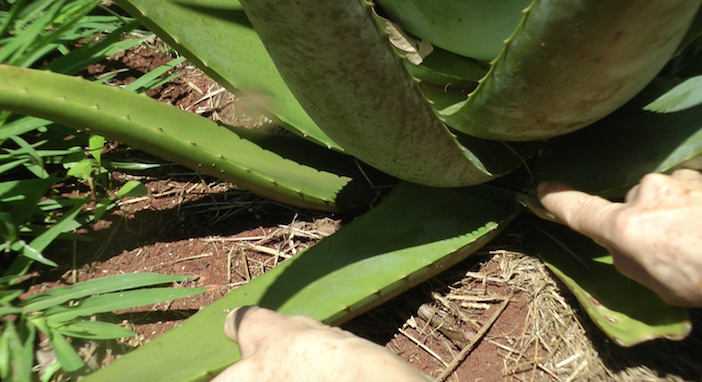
(30,254)
(142,83)
(110,302)
(65,354)
(88,54)
(217,37)
(43,240)
(625,310)
(21,126)
(17,190)
(17,359)
(17,47)
(9,295)
(412,235)
(5,366)
(72,14)
(10,165)
(163,130)
(27,148)
(94,330)
(94,287)
(10,18)
(131,189)
(5,310)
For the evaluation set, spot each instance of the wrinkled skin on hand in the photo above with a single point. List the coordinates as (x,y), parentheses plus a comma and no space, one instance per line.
(279,348)
(655,236)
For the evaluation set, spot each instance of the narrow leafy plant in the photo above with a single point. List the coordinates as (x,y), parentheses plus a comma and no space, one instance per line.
(468,104)
(34,156)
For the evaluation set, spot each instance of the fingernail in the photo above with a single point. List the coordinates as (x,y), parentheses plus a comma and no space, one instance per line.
(230,324)
(542,187)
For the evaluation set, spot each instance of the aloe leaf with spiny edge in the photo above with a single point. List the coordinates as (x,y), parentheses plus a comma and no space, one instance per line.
(625,310)
(338,61)
(217,37)
(613,154)
(373,259)
(228,153)
(570,63)
(471,28)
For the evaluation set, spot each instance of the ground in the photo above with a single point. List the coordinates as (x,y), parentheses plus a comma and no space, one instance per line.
(516,322)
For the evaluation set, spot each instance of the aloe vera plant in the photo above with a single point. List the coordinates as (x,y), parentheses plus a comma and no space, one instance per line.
(328,72)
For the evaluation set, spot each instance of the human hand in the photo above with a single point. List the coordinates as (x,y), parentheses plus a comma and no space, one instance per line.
(279,348)
(655,236)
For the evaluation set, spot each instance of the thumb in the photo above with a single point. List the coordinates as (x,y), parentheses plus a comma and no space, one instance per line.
(590,215)
(252,327)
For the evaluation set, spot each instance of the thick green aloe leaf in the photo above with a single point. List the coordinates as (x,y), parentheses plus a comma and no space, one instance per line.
(414,234)
(216,36)
(614,154)
(570,63)
(225,152)
(472,28)
(625,310)
(684,96)
(448,70)
(354,85)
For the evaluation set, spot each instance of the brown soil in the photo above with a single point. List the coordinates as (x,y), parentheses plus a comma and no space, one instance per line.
(187,222)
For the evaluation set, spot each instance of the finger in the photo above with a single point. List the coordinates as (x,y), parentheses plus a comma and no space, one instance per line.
(590,215)
(252,327)
(687,175)
(633,194)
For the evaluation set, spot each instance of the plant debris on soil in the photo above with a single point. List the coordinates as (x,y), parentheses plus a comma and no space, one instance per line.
(497,316)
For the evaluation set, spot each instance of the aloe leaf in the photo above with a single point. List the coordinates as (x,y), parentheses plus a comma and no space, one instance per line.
(94,330)
(413,234)
(471,28)
(365,100)
(224,152)
(625,310)
(638,142)
(448,70)
(94,287)
(568,64)
(684,96)
(692,34)
(110,302)
(216,36)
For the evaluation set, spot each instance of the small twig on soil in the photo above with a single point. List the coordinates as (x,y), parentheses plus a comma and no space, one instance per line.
(503,347)
(180,260)
(484,278)
(577,371)
(246,266)
(229,264)
(424,347)
(248,238)
(478,336)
